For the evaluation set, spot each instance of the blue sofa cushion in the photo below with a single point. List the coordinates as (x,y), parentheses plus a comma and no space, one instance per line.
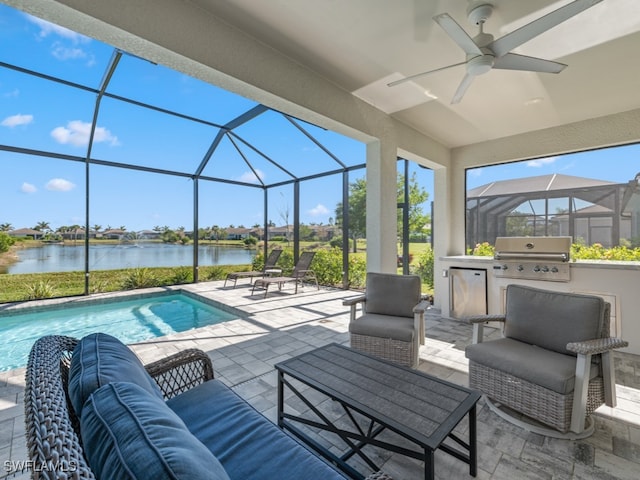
(552,319)
(99,359)
(128,433)
(551,370)
(247,444)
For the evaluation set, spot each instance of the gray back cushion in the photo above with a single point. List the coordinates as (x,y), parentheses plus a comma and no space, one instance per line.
(390,294)
(553,319)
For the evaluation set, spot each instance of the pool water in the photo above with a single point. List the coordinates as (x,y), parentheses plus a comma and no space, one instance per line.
(129,320)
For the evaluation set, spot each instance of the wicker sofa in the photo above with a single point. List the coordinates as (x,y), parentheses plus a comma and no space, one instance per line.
(554,363)
(168,419)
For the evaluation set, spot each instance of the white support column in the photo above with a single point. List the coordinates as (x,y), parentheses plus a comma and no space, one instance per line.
(382,201)
(448,226)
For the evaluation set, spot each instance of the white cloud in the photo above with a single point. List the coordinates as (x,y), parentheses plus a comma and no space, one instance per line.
(476,172)
(77,133)
(541,162)
(250,177)
(28,188)
(15,120)
(62,52)
(48,28)
(12,94)
(59,185)
(318,210)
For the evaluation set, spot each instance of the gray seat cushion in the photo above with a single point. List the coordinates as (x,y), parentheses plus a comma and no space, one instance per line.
(384,326)
(99,359)
(129,433)
(247,444)
(390,294)
(552,319)
(551,370)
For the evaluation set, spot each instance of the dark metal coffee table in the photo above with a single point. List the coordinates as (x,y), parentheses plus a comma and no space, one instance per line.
(377,395)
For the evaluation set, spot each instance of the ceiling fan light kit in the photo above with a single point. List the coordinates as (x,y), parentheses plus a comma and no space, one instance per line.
(483,53)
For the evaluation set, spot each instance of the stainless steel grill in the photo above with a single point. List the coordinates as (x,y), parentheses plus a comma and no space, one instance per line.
(533,258)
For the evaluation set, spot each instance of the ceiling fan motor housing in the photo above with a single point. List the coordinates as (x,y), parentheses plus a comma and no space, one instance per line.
(479,12)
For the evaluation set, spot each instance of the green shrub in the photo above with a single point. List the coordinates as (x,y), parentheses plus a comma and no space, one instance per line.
(6,242)
(139,278)
(424,266)
(250,241)
(484,249)
(336,242)
(215,273)
(181,275)
(41,289)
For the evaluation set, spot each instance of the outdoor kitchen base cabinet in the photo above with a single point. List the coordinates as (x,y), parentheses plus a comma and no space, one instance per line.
(468,294)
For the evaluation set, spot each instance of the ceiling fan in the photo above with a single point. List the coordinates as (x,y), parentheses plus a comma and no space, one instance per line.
(484,53)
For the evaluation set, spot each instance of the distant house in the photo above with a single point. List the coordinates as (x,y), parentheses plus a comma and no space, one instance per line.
(26,232)
(113,234)
(149,234)
(237,233)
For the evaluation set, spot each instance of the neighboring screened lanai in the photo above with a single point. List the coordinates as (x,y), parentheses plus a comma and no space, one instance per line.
(590,211)
(106,118)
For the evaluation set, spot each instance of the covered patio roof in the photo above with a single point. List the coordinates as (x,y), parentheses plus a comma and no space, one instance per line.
(320,61)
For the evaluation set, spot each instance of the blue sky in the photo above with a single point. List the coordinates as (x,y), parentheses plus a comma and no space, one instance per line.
(42,115)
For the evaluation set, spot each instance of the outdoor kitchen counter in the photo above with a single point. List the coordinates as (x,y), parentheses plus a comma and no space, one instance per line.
(615,281)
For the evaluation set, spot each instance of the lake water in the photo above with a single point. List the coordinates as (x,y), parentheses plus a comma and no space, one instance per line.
(67,258)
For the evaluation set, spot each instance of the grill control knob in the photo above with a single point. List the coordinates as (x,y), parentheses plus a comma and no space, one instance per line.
(536,268)
(545,269)
(554,269)
(520,268)
(505,267)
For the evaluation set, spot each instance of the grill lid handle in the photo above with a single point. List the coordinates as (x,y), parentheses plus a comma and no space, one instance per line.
(553,257)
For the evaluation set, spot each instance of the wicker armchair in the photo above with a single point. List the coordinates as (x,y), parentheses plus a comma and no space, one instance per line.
(392,322)
(554,364)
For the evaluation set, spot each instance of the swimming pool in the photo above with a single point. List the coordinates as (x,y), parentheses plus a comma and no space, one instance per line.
(130,320)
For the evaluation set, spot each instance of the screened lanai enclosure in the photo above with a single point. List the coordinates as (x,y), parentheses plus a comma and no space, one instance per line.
(109,150)
(111,162)
(590,211)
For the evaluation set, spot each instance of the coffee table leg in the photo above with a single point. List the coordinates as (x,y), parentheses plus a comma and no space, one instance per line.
(280,398)
(473,446)
(429,464)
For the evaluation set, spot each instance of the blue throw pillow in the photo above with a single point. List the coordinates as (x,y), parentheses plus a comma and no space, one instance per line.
(128,433)
(99,359)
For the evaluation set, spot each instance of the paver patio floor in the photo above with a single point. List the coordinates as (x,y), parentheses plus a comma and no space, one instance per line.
(284,325)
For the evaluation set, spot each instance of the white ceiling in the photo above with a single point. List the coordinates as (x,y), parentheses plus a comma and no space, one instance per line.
(361,45)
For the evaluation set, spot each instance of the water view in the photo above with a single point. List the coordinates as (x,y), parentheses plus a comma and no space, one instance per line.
(67,258)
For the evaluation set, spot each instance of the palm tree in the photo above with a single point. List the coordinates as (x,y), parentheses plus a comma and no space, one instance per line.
(5,227)
(42,226)
(97,228)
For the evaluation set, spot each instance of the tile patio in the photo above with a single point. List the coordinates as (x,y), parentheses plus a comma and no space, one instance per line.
(284,325)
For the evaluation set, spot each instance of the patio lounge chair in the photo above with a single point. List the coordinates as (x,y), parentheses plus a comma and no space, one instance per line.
(269,269)
(301,273)
(392,322)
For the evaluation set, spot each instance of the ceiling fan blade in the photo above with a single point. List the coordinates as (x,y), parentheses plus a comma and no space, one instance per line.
(512,61)
(457,34)
(411,77)
(505,44)
(462,88)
